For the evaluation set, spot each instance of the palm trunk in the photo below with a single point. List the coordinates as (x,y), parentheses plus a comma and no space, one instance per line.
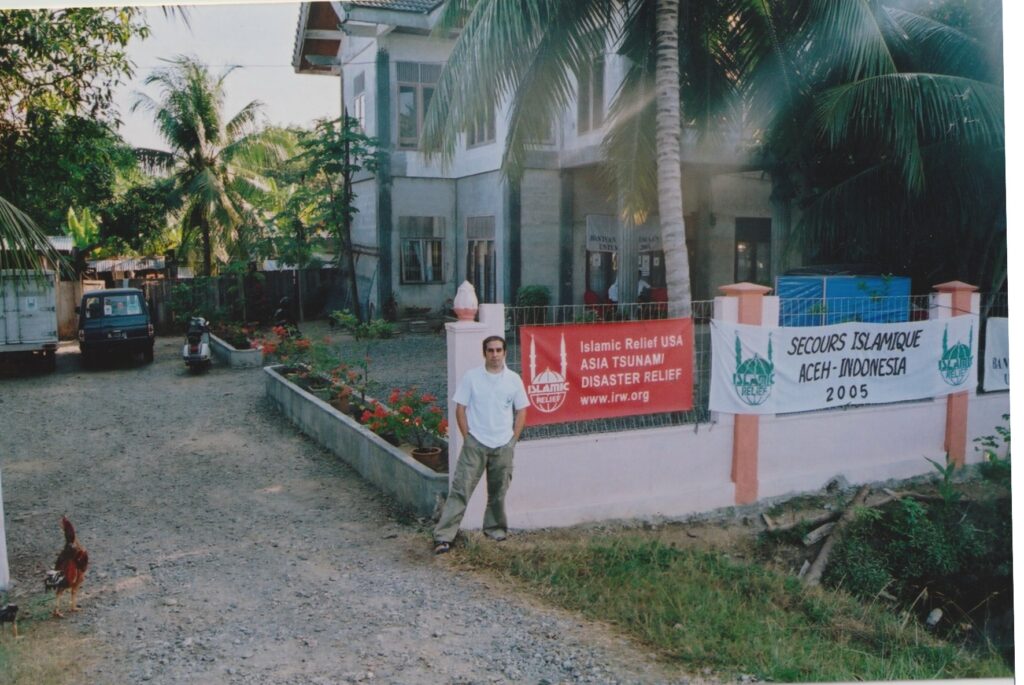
(667,135)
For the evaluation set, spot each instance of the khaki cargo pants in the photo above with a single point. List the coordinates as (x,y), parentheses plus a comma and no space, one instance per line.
(474,459)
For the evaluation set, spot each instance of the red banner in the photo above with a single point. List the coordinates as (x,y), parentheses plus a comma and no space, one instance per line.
(595,371)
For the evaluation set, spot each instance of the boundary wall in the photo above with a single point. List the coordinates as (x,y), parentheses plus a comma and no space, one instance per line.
(678,471)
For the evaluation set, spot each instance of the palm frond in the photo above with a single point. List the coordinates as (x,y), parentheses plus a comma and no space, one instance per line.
(453,16)
(23,245)
(940,48)
(902,111)
(845,41)
(497,59)
(245,121)
(630,142)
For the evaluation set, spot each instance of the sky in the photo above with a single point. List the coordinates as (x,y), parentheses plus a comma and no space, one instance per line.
(257,37)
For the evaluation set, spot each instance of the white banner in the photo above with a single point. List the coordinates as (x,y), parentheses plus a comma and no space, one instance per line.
(997,354)
(765,370)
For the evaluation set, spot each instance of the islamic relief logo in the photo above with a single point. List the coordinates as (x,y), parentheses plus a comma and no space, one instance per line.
(955,363)
(548,389)
(754,377)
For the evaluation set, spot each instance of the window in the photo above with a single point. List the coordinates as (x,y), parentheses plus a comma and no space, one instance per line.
(481,131)
(422,245)
(416,84)
(590,96)
(753,250)
(481,257)
(359,99)
(97,307)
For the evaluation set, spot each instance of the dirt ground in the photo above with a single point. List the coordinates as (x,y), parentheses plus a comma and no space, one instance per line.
(225,547)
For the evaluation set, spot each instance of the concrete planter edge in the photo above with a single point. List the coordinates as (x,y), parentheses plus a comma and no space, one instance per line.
(236,359)
(388,468)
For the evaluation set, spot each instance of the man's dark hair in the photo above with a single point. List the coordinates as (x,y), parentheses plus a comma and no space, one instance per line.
(492,338)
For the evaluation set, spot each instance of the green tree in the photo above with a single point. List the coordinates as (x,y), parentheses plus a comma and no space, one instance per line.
(880,121)
(884,123)
(63,162)
(136,219)
(525,53)
(218,164)
(333,153)
(53,64)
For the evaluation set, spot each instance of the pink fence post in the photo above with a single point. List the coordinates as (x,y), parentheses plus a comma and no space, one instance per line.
(750,304)
(962,302)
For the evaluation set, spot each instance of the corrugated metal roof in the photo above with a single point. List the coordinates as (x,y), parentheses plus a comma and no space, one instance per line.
(61,243)
(423,6)
(126,264)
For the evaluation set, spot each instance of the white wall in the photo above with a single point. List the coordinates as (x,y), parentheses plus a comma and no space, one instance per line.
(678,471)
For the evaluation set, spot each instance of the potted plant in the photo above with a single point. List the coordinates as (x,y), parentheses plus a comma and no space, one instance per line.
(415,418)
(341,395)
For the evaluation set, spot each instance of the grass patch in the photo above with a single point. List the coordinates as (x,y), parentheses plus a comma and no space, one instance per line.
(47,653)
(701,609)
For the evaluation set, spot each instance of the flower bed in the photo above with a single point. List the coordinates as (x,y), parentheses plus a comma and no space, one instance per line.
(388,467)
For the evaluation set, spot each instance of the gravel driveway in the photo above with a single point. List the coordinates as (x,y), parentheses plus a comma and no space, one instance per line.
(227,548)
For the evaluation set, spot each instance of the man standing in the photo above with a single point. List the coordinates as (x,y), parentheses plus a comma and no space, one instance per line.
(490,410)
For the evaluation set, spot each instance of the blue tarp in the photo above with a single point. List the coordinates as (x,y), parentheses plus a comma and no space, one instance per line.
(823,300)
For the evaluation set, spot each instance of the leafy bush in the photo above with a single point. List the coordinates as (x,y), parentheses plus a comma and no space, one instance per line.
(234,334)
(996,468)
(373,330)
(533,296)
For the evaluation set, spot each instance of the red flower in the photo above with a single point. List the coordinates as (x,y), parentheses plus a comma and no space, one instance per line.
(406,409)
(427,397)
(393,398)
(366,416)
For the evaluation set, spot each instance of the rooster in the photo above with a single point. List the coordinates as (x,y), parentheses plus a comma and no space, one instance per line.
(69,570)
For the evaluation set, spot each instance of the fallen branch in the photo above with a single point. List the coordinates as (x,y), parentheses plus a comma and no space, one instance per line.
(912,495)
(812,523)
(817,534)
(813,575)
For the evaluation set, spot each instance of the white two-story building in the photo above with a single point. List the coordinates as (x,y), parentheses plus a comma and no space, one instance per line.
(422,228)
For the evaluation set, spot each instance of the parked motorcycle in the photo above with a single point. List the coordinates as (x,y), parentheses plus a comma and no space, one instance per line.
(196,352)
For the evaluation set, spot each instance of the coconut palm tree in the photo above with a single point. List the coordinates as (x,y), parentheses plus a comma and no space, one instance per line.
(524,53)
(217,163)
(884,122)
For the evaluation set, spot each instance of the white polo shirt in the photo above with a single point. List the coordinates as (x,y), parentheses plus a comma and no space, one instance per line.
(491,401)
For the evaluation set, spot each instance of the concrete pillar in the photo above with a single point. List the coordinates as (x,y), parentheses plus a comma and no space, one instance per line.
(746,303)
(956,298)
(465,351)
(5,575)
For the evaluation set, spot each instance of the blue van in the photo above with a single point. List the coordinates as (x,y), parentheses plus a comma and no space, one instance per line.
(114,321)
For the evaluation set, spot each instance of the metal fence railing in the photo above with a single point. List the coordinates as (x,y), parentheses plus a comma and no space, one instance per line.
(792,312)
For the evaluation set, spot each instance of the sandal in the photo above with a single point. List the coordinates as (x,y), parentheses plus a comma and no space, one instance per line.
(442,547)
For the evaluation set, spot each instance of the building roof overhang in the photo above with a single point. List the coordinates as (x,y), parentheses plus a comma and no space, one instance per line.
(323,26)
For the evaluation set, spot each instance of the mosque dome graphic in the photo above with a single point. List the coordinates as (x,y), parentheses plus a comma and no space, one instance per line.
(955,363)
(548,389)
(754,377)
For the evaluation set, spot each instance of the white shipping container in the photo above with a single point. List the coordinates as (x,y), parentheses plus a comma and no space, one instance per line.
(28,312)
